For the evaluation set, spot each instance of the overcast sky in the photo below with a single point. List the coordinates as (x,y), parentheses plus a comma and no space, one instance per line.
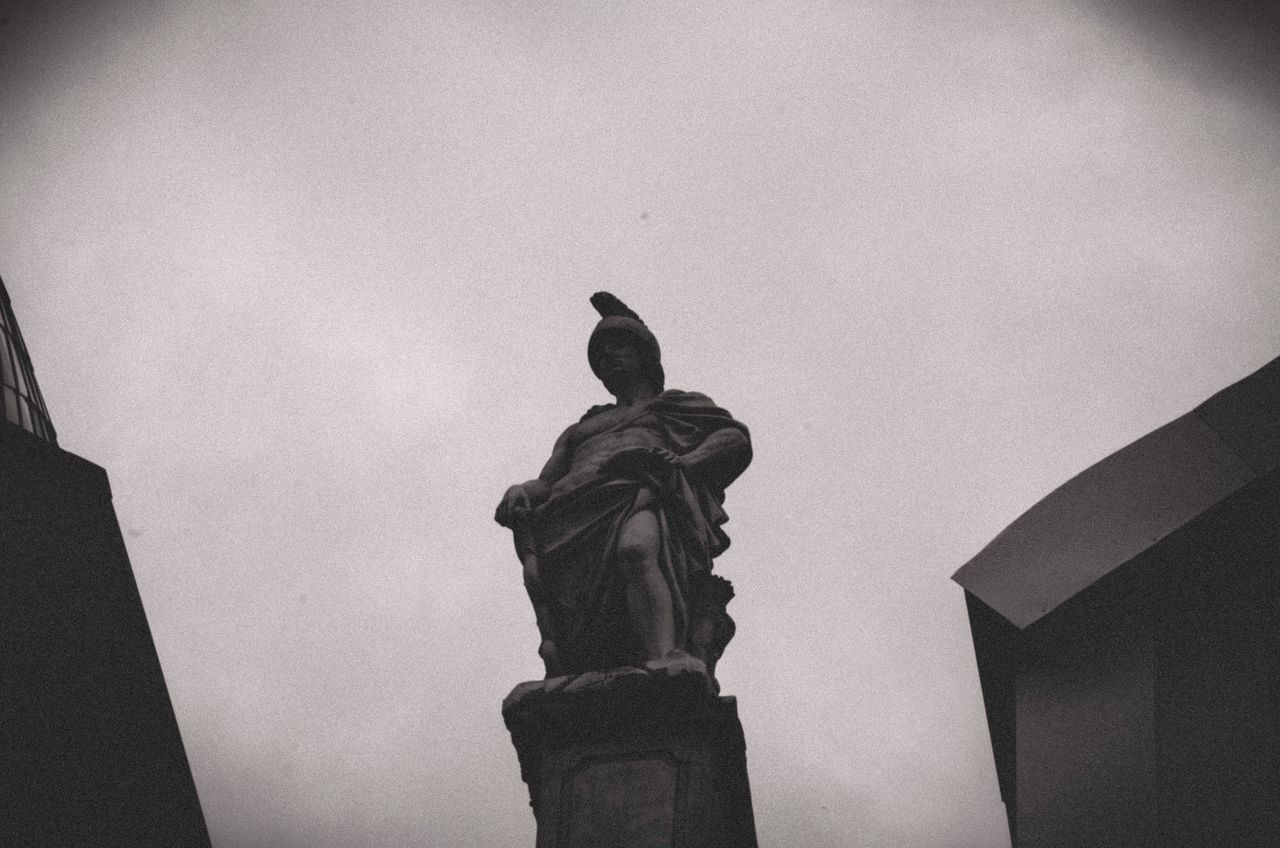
(310,280)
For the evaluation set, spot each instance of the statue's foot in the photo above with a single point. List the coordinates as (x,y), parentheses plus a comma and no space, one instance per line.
(677,662)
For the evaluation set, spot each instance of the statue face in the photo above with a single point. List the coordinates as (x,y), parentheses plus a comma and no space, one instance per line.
(618,360)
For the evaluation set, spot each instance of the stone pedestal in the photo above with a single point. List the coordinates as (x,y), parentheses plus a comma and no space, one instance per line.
(632,759)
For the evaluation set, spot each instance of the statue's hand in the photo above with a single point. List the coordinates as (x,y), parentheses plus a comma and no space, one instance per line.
(514,504)
(641,463)
(670,457)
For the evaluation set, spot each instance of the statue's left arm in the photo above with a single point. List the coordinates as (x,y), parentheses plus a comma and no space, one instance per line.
(719,459)
(703,440)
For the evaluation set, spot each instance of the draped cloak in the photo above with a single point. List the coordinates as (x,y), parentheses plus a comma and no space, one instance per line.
(576,534)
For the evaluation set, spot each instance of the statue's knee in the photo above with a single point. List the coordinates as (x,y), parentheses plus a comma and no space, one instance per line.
(637,552)
(634,558)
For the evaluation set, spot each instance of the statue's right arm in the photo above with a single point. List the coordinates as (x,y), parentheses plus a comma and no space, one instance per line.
(523,497)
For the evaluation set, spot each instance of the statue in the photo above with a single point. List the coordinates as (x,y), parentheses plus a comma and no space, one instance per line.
(618,532)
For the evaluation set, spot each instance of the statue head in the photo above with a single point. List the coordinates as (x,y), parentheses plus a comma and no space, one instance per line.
(617,327)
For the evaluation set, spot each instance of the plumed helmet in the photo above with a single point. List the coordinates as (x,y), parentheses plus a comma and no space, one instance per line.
(617,317)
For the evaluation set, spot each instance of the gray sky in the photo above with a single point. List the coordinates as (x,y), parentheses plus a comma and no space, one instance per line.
(311,283)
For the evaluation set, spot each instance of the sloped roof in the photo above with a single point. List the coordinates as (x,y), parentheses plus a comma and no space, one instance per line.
(20,399)
(1119,507)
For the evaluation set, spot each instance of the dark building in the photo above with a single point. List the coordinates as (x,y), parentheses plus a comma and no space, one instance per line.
(90,753)
(1126,635)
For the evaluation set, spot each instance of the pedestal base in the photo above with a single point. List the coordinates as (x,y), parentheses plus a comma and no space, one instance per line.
(632,759)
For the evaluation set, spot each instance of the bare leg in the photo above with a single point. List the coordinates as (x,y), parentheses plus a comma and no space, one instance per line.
(537,595)
(648,595)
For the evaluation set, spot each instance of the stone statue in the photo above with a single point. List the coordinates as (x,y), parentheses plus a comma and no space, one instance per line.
(618,532)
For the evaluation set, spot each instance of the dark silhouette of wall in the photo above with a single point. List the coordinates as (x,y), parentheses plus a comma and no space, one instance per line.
(1127,631)
(90,752)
